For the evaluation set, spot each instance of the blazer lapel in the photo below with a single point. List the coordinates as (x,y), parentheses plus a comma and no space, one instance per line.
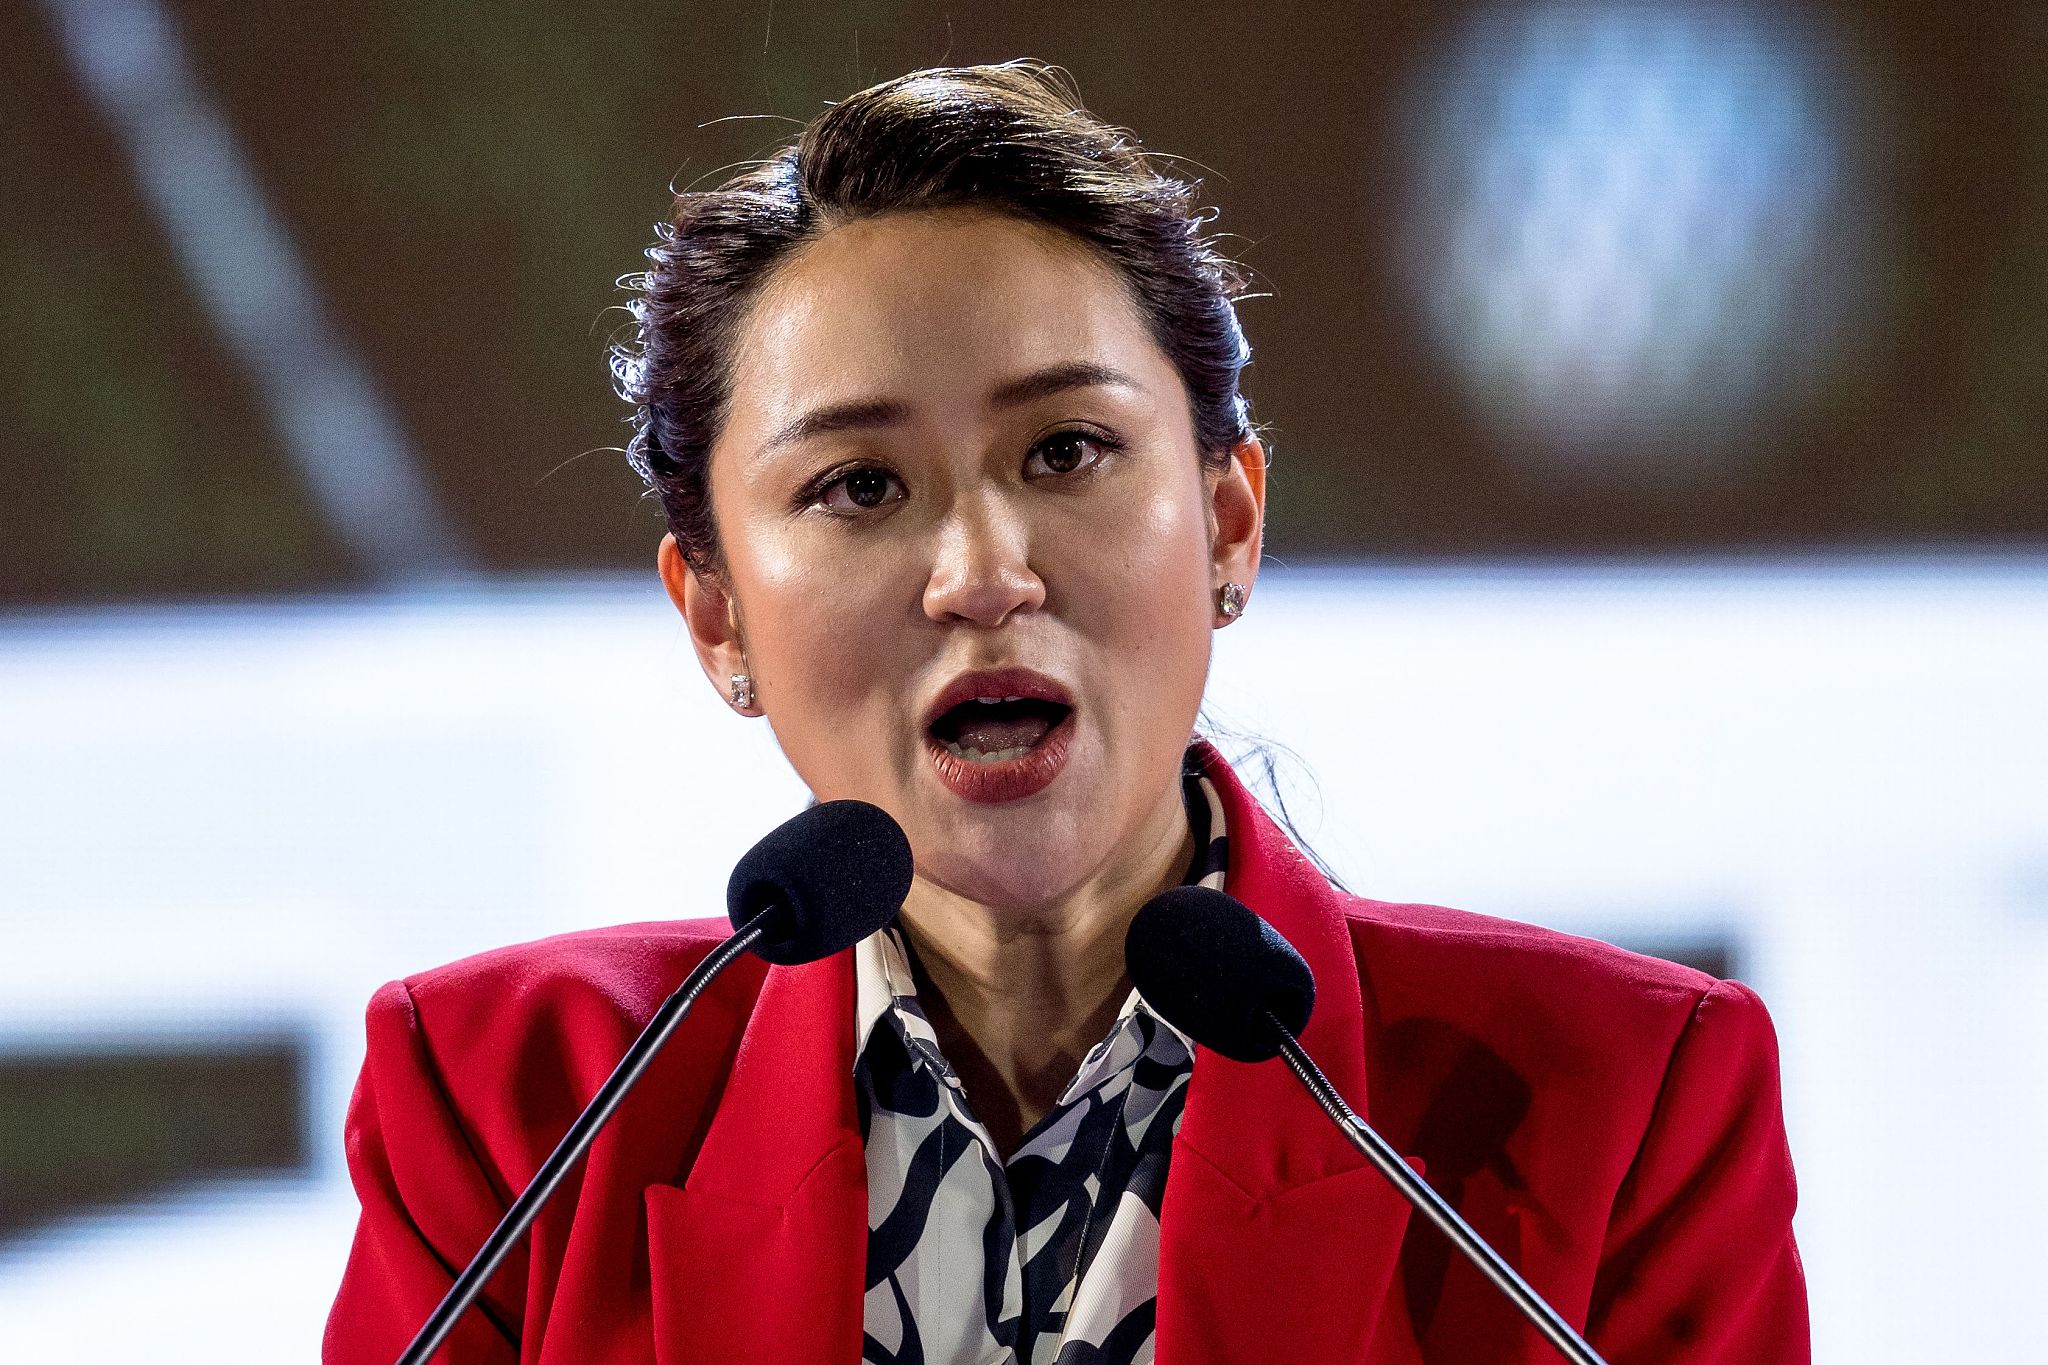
(760,1255)
(1278,1240)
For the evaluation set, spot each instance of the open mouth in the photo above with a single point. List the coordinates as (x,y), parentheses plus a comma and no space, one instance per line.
(994,730)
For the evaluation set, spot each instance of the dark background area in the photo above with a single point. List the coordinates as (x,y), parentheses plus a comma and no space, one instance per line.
(124,1121)
(463,186)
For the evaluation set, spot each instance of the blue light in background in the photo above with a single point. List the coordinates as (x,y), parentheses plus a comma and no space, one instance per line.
(1636,230)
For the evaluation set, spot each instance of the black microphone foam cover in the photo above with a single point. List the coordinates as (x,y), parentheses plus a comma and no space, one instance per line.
(1211,967)
(829,877)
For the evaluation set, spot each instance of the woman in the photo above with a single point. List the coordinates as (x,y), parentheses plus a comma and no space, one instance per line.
(941,403)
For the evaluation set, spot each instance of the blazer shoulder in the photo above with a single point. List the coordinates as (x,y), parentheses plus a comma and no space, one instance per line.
(1510,954)
(1583,1003)
(623,970)
(513,1042)
(1575,1036)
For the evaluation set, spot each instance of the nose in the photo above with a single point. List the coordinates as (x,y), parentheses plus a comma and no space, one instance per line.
(981,567)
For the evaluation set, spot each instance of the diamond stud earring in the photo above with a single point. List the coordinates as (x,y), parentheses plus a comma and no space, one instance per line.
(742,691)
(1230,600)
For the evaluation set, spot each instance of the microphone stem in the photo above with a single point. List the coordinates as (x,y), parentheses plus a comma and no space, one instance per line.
(574,1143)
(1433,1205)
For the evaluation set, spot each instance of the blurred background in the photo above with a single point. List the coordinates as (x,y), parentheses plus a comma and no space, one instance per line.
(1658,550)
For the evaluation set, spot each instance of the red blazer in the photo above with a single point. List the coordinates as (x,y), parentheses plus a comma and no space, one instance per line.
(1609,1122)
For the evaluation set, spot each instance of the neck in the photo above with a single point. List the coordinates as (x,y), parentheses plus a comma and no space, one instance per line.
(1018,998)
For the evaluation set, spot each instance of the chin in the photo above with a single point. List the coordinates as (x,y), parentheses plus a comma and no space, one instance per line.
(1006,873)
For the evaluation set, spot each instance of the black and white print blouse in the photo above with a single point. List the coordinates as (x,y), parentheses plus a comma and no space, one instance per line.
(1053,1257)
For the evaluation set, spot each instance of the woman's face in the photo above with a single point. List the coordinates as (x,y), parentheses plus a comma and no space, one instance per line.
(953,448)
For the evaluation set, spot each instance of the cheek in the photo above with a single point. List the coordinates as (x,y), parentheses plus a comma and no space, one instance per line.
(813,617)
(1138,590)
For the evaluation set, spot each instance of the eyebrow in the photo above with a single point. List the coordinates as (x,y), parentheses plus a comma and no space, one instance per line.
(860,415)
(872,413)
(1075,374)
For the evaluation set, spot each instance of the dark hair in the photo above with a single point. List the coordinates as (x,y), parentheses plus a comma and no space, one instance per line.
(1012,139)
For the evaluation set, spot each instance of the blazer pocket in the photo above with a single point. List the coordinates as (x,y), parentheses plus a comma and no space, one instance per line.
(1298,1275)
(736,1281)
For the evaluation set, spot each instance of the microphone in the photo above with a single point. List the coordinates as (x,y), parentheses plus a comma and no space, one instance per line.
(1215,970)
(818,883)
(821,881)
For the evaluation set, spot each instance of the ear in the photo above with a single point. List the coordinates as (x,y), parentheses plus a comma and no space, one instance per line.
(712,618)
(1237,512)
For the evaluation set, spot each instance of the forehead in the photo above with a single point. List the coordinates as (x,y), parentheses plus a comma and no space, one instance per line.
(934,308)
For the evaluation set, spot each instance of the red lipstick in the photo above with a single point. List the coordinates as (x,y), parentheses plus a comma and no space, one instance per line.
(1013,779)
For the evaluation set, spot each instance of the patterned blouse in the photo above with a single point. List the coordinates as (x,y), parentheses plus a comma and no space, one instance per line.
(1051,1258)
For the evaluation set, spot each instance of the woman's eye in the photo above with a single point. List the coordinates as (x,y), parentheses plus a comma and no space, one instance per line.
(1070,452)
(860,490)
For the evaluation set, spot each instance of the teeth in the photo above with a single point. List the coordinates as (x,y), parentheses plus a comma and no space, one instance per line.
(973,755)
